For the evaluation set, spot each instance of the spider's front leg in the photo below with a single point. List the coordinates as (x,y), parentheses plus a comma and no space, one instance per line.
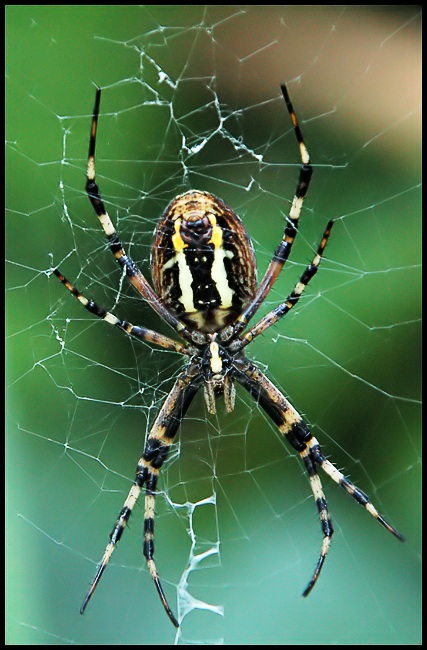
(155,452)
(297,433)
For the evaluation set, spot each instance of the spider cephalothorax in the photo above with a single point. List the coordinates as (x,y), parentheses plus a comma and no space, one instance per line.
(204,276)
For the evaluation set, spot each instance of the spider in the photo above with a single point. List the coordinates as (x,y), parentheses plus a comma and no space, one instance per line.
(205,288)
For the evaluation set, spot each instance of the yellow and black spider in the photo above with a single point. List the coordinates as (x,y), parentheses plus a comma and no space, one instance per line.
(205,287)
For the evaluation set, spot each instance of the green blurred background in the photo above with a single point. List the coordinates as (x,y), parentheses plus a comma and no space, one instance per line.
(191,99)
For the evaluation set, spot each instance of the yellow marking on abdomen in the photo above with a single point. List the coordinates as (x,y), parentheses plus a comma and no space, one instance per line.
(185,277)
(218,272)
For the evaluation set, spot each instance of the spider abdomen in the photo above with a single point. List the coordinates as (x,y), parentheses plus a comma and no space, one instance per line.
(203,263)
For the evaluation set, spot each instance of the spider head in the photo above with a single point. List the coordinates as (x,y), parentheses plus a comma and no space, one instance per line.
(216,365)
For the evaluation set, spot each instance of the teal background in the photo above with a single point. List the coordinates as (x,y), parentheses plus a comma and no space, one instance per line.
(81,395)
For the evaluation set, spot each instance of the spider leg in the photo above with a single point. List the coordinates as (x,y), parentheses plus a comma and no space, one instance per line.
(281,310)
(350,488)
(142,333)
(283,250)
(125,262)
(297,433)
(155,452)
(322,508)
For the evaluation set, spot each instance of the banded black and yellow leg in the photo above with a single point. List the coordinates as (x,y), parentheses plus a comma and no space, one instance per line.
(141,333)
(297,433)
(156,449)
(349,487)
(283,250)
(125,262)
(148,551)
(115,535)
(281,310)
(322,509)
(155,452)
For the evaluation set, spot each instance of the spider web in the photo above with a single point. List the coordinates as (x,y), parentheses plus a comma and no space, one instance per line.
(191,99)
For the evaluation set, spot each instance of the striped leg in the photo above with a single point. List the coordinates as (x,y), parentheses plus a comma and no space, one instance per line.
(297,433)
(142,333)
(322,508)
(155,452)
(156,449)
(350,488)
(276,314)
(125,262)
(282,252)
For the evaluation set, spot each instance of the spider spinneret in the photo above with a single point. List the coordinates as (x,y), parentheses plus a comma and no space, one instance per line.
(205,289)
